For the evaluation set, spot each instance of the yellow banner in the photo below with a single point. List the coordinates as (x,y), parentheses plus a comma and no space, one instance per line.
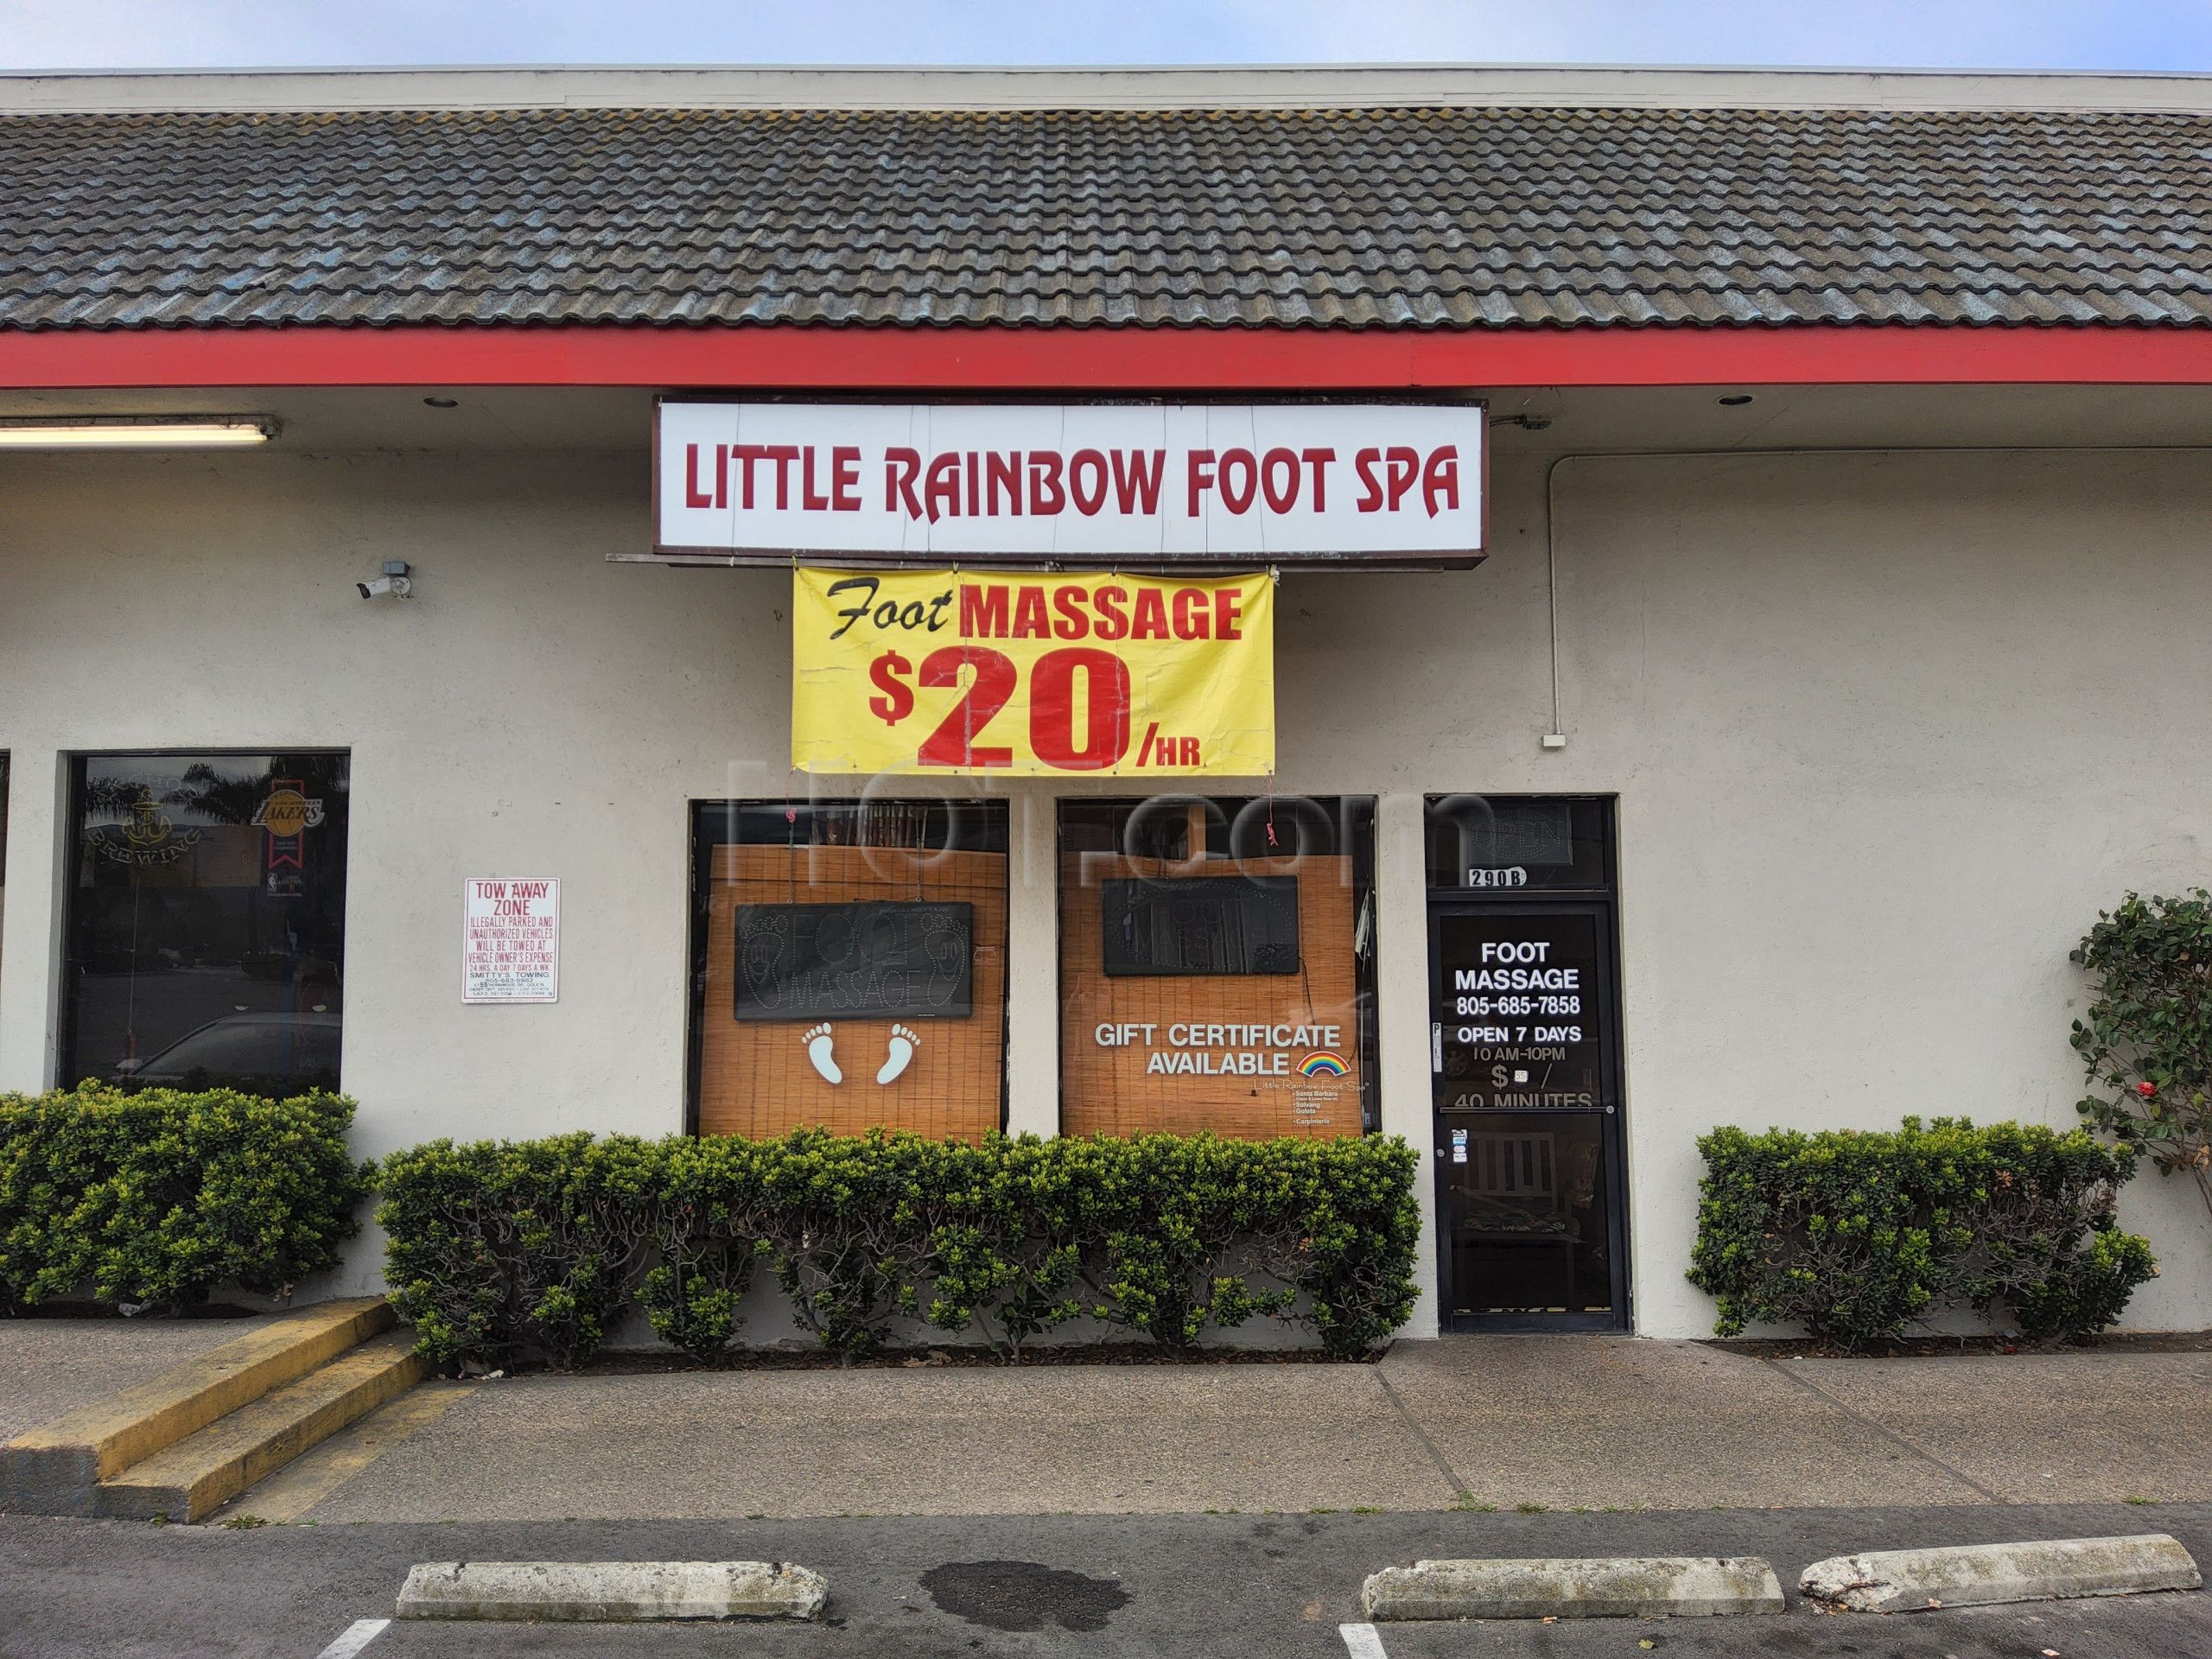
(1033,674)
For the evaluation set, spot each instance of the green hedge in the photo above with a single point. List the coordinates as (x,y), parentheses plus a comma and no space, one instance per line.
(501,1248)
(158,1195)
(1854,1235)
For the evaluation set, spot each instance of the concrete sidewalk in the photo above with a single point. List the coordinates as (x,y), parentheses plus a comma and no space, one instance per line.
(1556,1422)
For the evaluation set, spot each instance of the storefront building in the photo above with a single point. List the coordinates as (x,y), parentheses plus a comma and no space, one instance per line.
(1538,612)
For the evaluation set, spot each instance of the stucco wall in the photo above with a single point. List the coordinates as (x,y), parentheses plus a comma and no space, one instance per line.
(1885,730)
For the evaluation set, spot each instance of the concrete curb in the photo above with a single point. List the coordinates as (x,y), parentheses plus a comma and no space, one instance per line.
(1981,1575)
(1620,1587)
(611,1591)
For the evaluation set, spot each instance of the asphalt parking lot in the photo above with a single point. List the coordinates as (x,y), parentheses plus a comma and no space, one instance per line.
(1099,1586)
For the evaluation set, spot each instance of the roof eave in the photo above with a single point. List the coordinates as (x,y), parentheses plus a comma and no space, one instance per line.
(962,359)
(1285,86)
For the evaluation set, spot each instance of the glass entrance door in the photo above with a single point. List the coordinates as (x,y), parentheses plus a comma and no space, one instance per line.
(1525,1074)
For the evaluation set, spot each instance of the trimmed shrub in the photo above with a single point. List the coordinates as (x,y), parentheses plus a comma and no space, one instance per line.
(1159,1265)
(1005,1247)
(157,1196)
(1164,1237)
(1351,1254)
(707,1230)
(496,1246)
(1855,1236)
(848,1230)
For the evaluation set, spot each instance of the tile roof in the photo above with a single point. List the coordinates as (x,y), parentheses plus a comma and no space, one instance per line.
(1463,217)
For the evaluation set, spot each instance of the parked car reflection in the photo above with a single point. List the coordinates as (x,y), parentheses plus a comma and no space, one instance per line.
(273,1054)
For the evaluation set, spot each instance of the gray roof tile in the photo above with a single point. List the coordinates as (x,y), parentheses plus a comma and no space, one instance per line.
(1399,219)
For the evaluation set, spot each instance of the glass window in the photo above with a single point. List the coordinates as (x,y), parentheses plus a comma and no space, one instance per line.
(1530,1214)
(1524,1063)
(205,936)
(1217,966)
(848,967)
(1499,843)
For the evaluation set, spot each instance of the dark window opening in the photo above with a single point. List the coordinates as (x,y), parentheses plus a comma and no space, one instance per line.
(206,928)
(1504,843)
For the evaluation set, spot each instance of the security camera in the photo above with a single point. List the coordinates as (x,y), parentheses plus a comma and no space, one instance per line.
(395,581)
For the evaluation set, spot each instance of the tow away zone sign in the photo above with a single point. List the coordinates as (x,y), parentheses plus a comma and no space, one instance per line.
(511,939)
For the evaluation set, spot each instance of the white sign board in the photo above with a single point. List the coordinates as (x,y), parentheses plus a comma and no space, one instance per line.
(511,939)
(1071,484)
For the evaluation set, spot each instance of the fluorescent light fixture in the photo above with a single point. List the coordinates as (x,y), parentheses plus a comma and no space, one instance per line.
(138,432)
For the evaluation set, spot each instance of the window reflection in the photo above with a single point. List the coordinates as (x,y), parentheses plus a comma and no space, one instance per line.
(1216,962)
(1528,1214)
(848,967)
(205,934)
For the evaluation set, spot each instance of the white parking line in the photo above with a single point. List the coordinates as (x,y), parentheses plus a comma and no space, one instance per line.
(1362,1641)
(362,1631)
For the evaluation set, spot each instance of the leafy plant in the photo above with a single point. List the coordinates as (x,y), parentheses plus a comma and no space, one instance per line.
(849,1227)
(498,1248)
(1356,1233)
(1854,1236)
(707,1229)
(158,1195)
(1157,1223)
(2147,1036)
(1004,1246)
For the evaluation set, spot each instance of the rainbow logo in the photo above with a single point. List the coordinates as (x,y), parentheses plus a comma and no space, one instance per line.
(1326,1063)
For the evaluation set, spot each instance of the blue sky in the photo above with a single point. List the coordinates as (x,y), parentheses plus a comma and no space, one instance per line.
(2149,35)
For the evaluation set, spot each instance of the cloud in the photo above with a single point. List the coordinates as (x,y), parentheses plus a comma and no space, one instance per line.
(165,34)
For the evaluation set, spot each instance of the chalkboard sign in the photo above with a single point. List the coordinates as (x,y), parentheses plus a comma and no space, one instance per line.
(855,962)
(1201,924)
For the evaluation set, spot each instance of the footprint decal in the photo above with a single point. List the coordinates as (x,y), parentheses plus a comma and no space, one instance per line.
(903,1042)
(819,1043)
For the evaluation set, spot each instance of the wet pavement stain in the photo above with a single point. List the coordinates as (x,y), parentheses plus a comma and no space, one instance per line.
(1023,1595)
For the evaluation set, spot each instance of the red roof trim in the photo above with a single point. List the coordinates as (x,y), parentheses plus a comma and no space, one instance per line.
(1101,360)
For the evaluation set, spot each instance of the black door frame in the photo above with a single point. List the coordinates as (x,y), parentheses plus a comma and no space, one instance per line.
(1461,901)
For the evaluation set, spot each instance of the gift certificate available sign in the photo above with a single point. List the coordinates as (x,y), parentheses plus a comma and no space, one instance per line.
(511,939)
(1032,673)
(1073,484)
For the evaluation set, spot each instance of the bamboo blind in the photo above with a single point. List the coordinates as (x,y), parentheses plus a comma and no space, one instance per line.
(1109,1090)
(754,1076)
